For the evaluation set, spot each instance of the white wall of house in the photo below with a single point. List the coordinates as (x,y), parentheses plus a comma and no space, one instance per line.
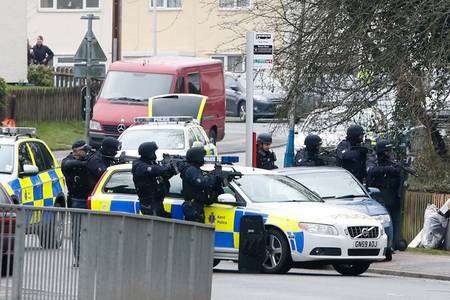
(13,31)
(58,21)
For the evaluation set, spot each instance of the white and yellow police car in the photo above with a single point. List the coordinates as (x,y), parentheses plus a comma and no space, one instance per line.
(300,226)
(173,135)
(30,175)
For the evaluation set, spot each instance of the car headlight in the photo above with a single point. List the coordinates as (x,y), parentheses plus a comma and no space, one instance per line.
(383,219)
(94,125)
(318,228)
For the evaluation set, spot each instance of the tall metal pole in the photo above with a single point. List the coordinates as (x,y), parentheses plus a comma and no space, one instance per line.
(249,99)
(154,30)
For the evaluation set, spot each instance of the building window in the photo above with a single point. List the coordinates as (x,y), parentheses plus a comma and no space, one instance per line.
(234,4)
(69,4)
(166,4)
(231,63)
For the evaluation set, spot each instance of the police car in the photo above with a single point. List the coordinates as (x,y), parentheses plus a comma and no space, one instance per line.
(173,135)
(300,226)
(30,175)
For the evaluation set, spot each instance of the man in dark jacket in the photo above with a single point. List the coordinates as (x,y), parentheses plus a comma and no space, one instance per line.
(196,185)
(385,175)
(74,168)
(151,181)
(265,158)
(309,156)
(102,159)
(351,154)
(41,53)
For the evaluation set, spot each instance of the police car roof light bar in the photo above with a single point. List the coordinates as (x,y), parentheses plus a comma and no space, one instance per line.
(18,131)
(166,119)
(229,160)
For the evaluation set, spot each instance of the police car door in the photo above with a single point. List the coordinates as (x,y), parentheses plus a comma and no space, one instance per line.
(23,186)
(225,218)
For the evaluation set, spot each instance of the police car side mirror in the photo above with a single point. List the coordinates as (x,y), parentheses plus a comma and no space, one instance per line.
(29,170)
(226,198)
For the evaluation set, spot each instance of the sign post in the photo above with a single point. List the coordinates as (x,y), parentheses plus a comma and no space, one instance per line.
(87,65)
(259,56)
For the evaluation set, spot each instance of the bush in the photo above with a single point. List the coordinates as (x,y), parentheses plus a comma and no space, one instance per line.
(3,91)
(40,75)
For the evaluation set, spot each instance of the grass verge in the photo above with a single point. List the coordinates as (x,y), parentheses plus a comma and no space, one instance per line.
(58,135)
(429,251)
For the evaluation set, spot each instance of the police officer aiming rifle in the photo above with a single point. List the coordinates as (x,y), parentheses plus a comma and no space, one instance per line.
(151,180)
(310,156)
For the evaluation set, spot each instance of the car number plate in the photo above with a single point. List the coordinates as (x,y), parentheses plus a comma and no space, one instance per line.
(366,244)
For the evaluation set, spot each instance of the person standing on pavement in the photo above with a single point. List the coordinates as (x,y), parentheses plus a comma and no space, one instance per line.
(74,168)
(265,158)
(102,159)
(351,154)
(151,181)
(309,156)
(196,185)
(385,175)
(41,53)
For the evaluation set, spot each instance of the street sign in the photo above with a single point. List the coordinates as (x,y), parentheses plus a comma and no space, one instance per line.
(262,50)
(97,71)
(97,54)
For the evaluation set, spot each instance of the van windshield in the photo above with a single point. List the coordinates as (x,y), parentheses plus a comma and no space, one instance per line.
(132,86)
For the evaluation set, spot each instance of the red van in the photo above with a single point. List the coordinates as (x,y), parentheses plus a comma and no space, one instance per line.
(129,85)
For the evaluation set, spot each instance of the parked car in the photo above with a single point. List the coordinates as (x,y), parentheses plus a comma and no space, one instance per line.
(339,187)
(173,136)
(267,96)
(7,234)
(129,85)
(300,226)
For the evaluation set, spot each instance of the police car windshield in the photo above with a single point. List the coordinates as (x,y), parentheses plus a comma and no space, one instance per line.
(6,159)
(130,86)
(331,184)
(169,139)
(274,188)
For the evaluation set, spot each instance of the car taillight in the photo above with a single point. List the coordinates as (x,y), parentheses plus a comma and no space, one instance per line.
(8,224)
(88,202)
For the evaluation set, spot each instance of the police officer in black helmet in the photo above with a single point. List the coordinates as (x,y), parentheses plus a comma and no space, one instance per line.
(351,154)
(196,185)
(102,159)
(151,180)
(385,174)
(265,158)
(309,156)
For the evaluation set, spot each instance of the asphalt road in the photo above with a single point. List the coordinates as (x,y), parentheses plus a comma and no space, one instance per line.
(321,284)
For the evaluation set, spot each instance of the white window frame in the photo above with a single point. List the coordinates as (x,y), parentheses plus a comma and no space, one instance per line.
(235,7)
(55,9)
(164,7)
(225,60)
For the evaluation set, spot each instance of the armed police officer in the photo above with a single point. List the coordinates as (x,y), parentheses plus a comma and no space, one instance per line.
(310,155)
(74,168)
(151,180)
(385,175)
(103,158)
(198,187)
(265,158)
(351,154)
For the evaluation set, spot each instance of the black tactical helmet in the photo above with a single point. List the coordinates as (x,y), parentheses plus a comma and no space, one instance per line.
(313,142)
(110,147)
(196,155)
(382,146)
(147,151)
(264,138)
(354,132)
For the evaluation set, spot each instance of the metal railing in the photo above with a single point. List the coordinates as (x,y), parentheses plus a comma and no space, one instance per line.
(121,256)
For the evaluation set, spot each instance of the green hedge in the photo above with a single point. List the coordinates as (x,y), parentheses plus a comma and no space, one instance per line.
(3,91)
(40,75)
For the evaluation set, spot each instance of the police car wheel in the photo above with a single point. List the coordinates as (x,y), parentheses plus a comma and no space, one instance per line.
(5,270)
(354,269)
(51,233)
(278,257)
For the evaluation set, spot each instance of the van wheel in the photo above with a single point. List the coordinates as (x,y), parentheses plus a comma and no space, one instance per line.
(278,253)
(213,136)
(352,269)
(51,231)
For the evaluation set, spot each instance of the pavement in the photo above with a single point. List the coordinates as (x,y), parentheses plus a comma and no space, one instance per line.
(416,265)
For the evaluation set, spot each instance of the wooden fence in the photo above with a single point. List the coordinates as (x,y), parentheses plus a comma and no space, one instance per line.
(414,208)
(44,104)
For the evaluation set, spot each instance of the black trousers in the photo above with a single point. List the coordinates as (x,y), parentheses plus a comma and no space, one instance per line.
(154,209)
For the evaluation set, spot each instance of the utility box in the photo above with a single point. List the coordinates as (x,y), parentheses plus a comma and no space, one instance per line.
(13,49)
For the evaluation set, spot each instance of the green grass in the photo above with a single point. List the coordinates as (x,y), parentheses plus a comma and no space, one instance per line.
(428,251)
(58,135)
